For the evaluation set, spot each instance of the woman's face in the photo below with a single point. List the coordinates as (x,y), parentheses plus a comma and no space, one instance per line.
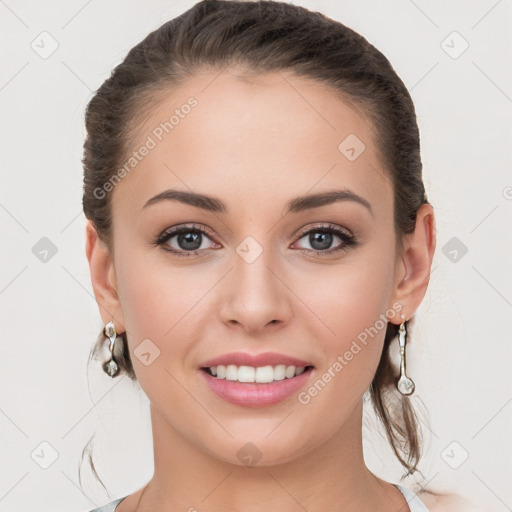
(251,277)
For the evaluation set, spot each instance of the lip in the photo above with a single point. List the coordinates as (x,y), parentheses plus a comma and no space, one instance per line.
(263,359)
(248,394)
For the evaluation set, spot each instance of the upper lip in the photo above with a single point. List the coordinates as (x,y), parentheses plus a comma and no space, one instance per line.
(246,359)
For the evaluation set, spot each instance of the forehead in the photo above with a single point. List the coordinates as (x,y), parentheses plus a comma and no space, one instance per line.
(274,135)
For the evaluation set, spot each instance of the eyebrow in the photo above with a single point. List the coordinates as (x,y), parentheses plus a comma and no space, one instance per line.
(299,204)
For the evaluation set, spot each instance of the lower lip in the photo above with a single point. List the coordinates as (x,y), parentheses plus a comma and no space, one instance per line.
(252,394)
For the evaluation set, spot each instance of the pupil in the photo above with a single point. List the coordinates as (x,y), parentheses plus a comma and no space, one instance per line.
(325,240)
(189,240)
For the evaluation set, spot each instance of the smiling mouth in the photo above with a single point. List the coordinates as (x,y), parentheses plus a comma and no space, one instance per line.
(260,374)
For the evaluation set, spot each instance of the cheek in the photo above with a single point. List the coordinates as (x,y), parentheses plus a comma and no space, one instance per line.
(352,296)
(353,308)
(163,302)
(157,302)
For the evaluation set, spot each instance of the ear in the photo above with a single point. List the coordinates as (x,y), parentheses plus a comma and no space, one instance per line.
(103,279)
(414,266)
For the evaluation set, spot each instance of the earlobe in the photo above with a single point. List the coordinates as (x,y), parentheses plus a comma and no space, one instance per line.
(416,261)
(103,278)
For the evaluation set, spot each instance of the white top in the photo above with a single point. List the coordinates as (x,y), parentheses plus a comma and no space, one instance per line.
(415,504)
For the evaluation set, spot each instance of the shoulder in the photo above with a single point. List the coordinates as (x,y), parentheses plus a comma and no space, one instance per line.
(448,503)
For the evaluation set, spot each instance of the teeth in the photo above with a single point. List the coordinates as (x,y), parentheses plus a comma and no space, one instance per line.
(261,374)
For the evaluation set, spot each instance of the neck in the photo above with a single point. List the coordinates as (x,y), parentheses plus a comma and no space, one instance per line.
(332,476)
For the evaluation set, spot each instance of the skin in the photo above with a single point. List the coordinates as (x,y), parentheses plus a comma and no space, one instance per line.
(256,144)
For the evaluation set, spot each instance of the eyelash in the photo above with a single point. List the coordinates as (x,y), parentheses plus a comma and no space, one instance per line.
(348,239)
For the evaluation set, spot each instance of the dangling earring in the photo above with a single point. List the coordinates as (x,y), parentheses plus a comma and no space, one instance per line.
(404,384)
(111,367)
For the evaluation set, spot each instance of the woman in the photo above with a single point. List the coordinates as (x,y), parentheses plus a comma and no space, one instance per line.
(258,236)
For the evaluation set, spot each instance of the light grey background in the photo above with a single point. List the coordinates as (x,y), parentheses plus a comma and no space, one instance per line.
(460,349)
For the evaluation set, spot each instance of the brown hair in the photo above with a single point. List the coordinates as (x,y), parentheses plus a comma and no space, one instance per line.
(259,37)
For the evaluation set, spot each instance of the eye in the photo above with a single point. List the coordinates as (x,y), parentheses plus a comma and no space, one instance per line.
(322,237)
(184,240)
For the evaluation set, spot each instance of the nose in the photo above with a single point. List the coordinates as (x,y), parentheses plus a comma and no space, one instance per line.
(255,297)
